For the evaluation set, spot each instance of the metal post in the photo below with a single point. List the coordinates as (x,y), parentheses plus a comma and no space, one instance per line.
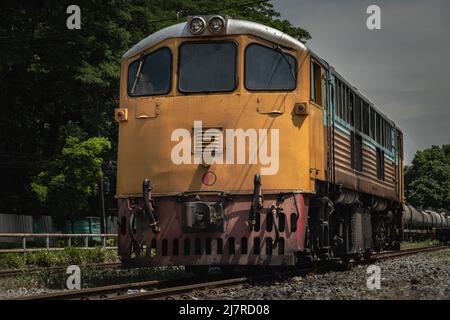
(102,208)
(47,241)
(24,247)
(104,241)
(86,242)
(69,244)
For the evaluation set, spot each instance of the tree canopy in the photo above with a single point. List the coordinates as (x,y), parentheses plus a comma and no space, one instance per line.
(71,178)
(50,76)
(427,179)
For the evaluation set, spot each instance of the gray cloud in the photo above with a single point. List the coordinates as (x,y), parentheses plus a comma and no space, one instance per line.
(404,68)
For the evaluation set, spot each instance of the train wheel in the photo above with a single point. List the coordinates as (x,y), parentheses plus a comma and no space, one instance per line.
(397,246)
(367,255)
(197,270)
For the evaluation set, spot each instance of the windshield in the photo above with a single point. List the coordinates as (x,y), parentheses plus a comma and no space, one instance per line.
(151,75)
(269,69)
(207,67)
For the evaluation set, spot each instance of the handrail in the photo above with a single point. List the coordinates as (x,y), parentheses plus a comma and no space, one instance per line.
(47,236)
(55,235)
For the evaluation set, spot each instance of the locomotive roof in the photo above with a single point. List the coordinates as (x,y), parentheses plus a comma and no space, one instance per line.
(236,27)
(233,27)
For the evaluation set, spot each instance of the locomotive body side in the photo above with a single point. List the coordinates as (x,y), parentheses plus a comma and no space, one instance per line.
(292,177)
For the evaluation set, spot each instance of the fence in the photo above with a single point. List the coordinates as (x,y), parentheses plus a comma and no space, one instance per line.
(48,236)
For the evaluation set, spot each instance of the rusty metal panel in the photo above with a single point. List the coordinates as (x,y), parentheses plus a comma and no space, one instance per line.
(236,216)
(365,181)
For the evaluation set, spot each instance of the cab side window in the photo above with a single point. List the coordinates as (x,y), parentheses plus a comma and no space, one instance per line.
(316,83)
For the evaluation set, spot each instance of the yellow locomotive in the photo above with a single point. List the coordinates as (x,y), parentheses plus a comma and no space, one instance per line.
(240,146)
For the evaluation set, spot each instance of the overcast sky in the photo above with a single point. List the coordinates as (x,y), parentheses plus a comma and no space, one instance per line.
(404,68)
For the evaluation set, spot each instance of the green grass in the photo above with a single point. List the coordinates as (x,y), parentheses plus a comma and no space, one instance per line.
(419,244)
(46,258)
(90,277)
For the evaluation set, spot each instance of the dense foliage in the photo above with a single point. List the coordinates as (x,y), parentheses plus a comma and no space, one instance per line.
(71,178)
(427,179)
(65,257)
(50,76)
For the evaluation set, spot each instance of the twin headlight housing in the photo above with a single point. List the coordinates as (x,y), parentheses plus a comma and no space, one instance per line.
(215,24)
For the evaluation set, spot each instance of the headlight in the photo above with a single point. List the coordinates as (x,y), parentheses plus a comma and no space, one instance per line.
(216,24)
(197,25)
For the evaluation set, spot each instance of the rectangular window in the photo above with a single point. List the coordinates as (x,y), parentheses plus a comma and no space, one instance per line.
(365,120)
(378,126)
(269,69)
(338,97)
(380,164)
(372,123)
(383,132)
(356,142)
(341,108)
(350,99)
(388,136)
(358,113)
(350,109)
(341,100)
(391,142)
(207,67)
(151,75)
(344,102)
(316,83)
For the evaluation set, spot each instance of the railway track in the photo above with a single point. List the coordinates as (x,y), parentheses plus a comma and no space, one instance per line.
(14,272)
(186,287)
(397,254)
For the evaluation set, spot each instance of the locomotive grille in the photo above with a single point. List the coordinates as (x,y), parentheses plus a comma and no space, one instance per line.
(209,140)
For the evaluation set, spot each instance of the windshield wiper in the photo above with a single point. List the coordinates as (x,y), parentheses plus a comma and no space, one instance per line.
(138,73)
(278,48)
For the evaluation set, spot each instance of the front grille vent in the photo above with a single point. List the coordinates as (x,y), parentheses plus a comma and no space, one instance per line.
(209,140)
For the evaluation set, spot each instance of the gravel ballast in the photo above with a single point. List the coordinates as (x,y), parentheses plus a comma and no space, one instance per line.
(421,276)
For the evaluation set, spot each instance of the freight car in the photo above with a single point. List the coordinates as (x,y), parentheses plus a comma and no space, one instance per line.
(239,146)
(424,224)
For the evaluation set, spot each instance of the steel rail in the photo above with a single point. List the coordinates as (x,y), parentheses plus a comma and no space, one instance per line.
(169,293)
(397,254)
(169,288)
(86,294)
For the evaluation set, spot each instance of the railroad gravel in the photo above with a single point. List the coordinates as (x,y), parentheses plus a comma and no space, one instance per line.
(54,281)
(23,292)
(422,276)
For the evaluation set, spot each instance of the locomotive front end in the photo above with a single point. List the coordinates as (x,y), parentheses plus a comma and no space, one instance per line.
(212,113)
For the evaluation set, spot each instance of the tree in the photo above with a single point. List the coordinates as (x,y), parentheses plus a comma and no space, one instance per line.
(69,181)
(427,179)
(50,75)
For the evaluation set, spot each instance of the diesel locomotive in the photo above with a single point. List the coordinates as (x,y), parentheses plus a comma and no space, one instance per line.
(239,146)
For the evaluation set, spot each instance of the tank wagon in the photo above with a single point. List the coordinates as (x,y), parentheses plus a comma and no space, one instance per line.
(238,145)
(424,224)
